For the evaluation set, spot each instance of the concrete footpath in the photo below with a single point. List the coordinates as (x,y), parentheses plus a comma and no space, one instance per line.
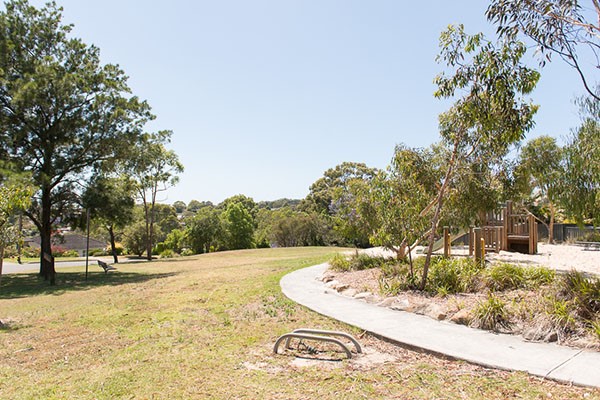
(548,360)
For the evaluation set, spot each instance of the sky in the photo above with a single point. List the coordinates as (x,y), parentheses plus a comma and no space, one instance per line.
(263,96)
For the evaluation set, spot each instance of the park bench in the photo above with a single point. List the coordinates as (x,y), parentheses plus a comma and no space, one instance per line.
(105,266)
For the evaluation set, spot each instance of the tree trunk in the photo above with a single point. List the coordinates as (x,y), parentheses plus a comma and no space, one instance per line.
(46,262)
(1,261)
(113,246)
(551,226)
(436,216)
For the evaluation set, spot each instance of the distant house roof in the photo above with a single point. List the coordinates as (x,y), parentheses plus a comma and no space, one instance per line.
(69,241)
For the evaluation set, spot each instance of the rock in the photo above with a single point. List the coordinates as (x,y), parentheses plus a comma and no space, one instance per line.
(532,335)
(362,295)
(327,277)
(387,302)
(349,292)
(419,308)
(462,317)
(435,311)
(400,305)
(551,337)
(331,284)
(337,285)
(373,299)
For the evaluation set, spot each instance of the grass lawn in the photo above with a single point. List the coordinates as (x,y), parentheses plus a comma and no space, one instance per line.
(204,327)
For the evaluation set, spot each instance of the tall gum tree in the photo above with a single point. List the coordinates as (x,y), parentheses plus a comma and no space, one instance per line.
(154,169)
(490,114)
(62,111)
(540,165)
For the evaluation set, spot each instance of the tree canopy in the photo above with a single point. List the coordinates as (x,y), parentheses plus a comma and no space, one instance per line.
(567,28)
(62,111)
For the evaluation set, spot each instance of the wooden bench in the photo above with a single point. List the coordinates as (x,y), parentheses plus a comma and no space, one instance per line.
(105,266)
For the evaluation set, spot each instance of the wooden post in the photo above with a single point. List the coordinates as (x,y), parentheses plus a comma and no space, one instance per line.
(478,243)
(498,239)
(471,240)
(505,222)
(532,226)
(482,258)
(446,242)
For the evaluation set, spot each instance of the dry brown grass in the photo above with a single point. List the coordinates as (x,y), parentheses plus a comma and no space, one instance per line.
(203,327)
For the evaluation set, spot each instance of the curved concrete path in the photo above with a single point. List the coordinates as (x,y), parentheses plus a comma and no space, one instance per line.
(507,352)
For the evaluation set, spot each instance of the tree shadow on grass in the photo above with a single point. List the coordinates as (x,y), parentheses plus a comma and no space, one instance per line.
(25,285)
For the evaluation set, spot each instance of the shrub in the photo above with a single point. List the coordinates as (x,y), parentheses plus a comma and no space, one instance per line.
(98,252)
(339,262)
(358,262)
(561,312)
(30,252)
(504,276)
(583,292)
(395,278)
(187,252)
(491,314)
(595,328)
(539,276)
(593,236)
(167,253)
(362,261)
(452,275)
(70,253)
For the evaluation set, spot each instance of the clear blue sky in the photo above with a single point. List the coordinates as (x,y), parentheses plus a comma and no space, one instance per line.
(264,96)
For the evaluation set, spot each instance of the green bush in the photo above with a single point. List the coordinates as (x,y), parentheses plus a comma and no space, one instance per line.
(593,236)
(539,276)
(30,252)
(98,252)
(187,252)
(339,262)
(583,292)
(167,253)
(395,278)
(358,262)
(491,314)
(452,275)
(595,328)
(70,253)
(561,313)
(504,276)
(362,261)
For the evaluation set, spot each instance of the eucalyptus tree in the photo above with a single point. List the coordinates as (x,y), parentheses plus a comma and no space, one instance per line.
(153,169)
(62,112)
(239,226)
(489,114)
(204,230)
(581,194)
(569,29)
(13,198)
(398,206)
(110,202)
(334,196)
(541,167)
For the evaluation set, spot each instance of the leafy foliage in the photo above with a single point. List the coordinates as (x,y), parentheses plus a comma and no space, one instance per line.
(491,314)
(566,28)
(581,183)
(63,113)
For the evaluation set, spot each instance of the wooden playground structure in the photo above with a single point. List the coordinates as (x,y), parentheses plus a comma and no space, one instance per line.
(505,230)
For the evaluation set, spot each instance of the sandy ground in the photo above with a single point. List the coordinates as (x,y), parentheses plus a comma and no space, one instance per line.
(562,257)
